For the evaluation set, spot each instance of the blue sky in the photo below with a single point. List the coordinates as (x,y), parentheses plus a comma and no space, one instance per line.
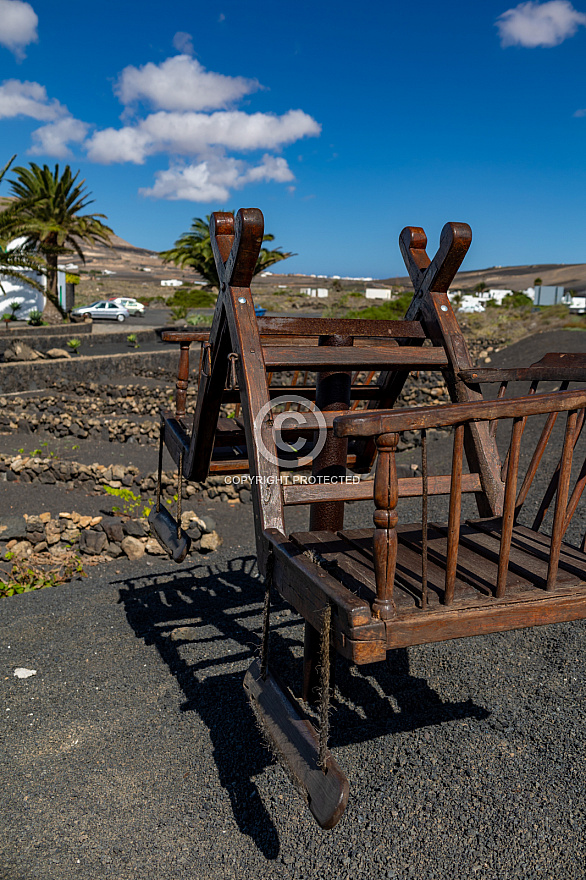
(343,122)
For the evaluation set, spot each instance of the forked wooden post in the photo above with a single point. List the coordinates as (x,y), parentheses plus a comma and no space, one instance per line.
(386,495)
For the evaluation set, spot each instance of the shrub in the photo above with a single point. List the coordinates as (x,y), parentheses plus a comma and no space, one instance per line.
(517,300)
(36,318)
(24,576)
(199,321)
(184,299)
(390,310)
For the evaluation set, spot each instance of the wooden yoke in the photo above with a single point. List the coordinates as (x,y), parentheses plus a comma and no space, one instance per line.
(431,280)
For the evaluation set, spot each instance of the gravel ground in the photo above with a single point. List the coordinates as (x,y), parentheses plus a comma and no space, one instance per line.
(132,753)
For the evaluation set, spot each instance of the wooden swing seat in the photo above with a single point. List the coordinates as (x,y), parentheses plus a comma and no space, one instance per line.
(366,591)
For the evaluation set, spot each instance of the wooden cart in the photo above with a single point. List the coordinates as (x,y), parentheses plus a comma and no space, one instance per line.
(364,592)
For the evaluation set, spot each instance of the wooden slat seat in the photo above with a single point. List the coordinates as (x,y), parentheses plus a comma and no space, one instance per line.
(349,559)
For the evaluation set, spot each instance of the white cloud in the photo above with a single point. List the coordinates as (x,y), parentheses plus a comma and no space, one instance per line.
(118,145)
(183,43)
(213,179)
(53,139)
(181,83)
(18,26)
(194,134)
(30,99)
(23,98)
(534,24)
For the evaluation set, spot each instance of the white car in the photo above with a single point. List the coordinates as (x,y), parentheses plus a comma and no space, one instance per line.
(132,306)
(110,311)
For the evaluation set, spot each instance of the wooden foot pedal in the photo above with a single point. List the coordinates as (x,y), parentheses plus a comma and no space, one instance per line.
(164,529)
(297,745)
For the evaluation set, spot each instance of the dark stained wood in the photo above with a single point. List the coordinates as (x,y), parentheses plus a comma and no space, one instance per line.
(559,519)
(308,327)
(529,556)
(182,381)
(321,358)
(430,305)
(509,506)
(362,490)
(367,423)
(297,743)
(421,629)
(481,576)
(333,395)
(454,515)
(386,495)
(553,367)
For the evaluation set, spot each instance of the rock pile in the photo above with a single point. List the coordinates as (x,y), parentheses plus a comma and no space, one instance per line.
(20,351)
(107,537)
(123,481)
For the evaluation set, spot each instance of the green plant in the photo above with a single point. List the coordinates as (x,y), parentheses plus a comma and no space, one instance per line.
(193,250)
(516,300)
(48,208)
(184,299)
(390,310)
(71,278)
(199,320)
(131,502)
(14,259)
(74,344)
(132,339)
(35,318)
(24,576)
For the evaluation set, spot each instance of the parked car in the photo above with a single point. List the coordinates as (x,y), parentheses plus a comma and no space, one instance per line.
(109,311)
(132,306)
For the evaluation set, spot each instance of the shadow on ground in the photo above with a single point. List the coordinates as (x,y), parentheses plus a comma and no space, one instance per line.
(206,626)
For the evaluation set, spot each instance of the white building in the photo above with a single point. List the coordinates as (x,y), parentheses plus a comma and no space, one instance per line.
(320,292)
(171,282)
(378,293)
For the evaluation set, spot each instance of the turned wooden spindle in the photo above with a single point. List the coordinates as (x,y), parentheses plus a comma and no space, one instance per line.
(182,380)
(386,495)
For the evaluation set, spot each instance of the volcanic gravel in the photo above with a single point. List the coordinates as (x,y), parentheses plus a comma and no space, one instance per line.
(132,752)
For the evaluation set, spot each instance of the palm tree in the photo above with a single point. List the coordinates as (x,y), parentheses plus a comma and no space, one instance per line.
(193,250)
(13,261)
(48,207)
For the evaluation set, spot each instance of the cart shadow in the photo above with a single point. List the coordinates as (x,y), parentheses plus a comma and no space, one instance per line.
(205,622)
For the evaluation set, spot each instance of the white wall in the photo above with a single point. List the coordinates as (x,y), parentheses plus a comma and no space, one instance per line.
(29,298)
(378,293)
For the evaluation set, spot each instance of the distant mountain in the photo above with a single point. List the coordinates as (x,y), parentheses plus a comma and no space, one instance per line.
(129,262)
(572,276)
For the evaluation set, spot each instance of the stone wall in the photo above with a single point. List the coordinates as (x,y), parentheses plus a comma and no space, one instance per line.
(51,538)
(33,376)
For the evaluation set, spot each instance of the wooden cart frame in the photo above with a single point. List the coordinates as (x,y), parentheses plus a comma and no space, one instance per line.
(364,592)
